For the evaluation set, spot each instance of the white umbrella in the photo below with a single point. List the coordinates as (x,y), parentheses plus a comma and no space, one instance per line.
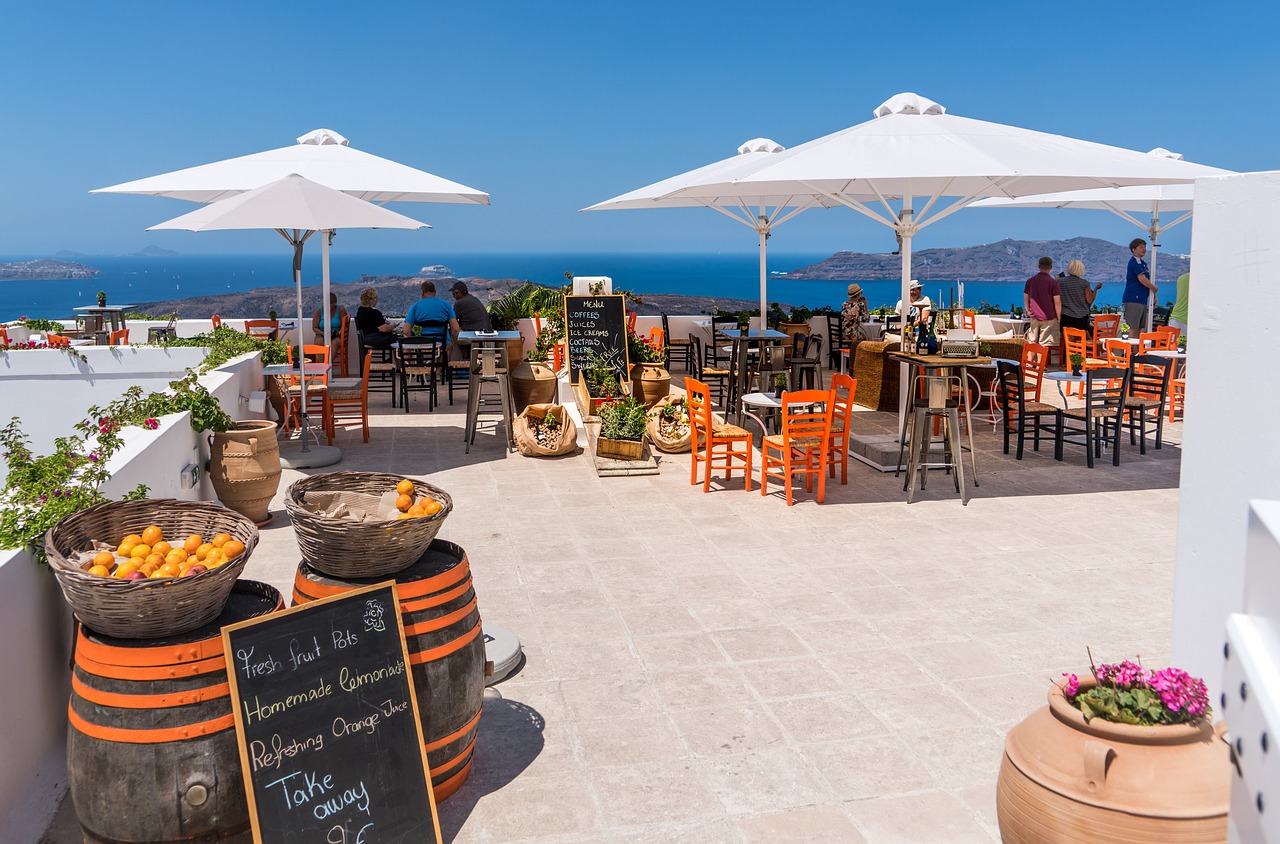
(322,156)
(704,186)
(1145,200)
(296,208)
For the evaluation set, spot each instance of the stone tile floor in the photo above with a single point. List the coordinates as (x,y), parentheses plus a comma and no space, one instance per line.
(720,667)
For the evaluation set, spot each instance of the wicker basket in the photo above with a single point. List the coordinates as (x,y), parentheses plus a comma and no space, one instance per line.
(145,609)
(346,548)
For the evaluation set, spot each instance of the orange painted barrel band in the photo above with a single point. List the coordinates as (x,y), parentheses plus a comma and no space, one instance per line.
(138,657)
(436,600)
(121,735)
(410,589)
(454,736)
(446,789)
(149,672)
(419,657)
(466,751)
(161,701)
(440,622)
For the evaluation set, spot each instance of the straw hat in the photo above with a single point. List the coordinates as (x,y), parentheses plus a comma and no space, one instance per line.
(855,290)
(914,285)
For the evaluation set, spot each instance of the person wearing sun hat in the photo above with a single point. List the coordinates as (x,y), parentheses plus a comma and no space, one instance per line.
(853,313)
(921,307)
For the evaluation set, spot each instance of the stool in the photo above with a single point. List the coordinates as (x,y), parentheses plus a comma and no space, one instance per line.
(488,366)
(936,404)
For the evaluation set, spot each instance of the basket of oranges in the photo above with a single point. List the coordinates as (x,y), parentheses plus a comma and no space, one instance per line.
(364,524)
(144,569)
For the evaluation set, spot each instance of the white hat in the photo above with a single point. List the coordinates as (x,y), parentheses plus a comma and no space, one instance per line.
(914,285)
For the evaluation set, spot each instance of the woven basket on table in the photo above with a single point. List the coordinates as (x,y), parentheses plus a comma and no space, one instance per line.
(346,548)
(144,609)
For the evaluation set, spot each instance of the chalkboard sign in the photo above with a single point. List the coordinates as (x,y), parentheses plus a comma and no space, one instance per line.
(599,324)
(330,744)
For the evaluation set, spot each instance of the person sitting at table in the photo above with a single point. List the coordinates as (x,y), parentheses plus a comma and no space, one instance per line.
(921,308)
(431,315)
(375,331)
(337,316)
(1077,297)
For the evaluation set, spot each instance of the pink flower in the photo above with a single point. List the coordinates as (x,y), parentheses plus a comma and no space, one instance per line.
(1072,687)
(151,424)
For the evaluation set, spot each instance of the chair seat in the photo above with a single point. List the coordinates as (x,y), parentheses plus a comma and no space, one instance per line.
(713,372)
(1098,413)
(338,385)
(295,389)
(777,441)
(1142,402)
(386,366)
(837,426)
(1095,362)
(1033,407)
(418,370)
(727,430)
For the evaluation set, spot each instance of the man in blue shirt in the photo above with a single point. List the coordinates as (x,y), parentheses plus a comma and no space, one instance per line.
(432,315)
(1138,287)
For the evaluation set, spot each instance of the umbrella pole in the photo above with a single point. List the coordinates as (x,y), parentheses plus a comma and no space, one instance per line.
(907,229)
(1154,234)
(302,358)
(764,236)
(324,292)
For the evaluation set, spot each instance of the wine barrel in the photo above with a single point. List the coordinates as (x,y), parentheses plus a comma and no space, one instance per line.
(151,742)
(244,467)
(446,651)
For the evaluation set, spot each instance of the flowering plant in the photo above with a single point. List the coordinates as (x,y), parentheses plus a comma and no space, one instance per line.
(623,419)
(639,350)
(1128,693)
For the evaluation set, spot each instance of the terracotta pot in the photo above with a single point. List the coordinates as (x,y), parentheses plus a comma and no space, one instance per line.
(1063,780)
(532,383)
(244,467)
(650,382)
(791,329)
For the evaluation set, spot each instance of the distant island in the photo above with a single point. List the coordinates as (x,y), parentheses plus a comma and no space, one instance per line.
(1005,260)
(45,269)
(154,251)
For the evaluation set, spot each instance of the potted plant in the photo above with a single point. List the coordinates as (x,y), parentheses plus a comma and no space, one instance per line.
(669,428)
(1077,361)
(791,322)
(1124,331)
(598,382)
(650,380)
(1128,754)
(622,426)
(272,315)
(779,384)
(1182,343)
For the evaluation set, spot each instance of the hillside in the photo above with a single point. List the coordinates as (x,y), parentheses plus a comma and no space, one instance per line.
(45,269)
(1005,260)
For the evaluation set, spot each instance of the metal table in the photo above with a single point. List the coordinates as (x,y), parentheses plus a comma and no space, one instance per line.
(742,342)
(1065,377)
(100,314)
(942,364)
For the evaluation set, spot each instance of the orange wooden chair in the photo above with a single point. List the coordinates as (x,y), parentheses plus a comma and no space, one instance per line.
(1105,326)
(349,400)
(1034,358)
(1077,343)
(802,447)
(843,389)
(217,321)
(1118,353)
(969,320)
(657,338)
(57,341)
(118,338)
(1173,332)
(4,336)
(631,320)
(317,389)
(715,444)
(341,350)
(263,329)
(1177,397)
(1158,340)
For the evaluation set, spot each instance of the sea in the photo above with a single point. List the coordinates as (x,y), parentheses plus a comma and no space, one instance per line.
(132,279)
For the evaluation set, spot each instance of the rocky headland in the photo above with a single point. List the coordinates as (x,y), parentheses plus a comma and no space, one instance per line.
(45,269)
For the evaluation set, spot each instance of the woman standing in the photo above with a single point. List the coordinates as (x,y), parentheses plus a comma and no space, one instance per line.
(1077,297)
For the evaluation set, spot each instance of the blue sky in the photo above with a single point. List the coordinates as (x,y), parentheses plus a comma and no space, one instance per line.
(552,107)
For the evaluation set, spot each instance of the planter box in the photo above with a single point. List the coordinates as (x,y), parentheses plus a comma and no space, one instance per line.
(619,449)
(589,405)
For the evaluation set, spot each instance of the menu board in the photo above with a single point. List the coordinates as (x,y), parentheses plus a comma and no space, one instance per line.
(599,324)
(330,744)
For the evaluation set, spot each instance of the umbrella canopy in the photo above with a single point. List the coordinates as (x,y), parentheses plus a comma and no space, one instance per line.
(296,208)
(706,187)
(322,156)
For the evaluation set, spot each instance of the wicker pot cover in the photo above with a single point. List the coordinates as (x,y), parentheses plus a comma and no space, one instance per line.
(677,445)
(143,609)
(532,383)
(347,548)
(244,467)
(564,443)
(1063,780)
(649,383)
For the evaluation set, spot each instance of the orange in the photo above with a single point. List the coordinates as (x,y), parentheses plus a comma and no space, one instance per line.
(104,558)
(221,539)
(404,502)
(232,549)
(214,557)
(203,550)
(131,539)
(171,569)
(126,548)
(142,549)
(177,555)
(416,511)
(215,564)
(100,571)
(400,516)
(152,534)
(162,548)
(430,506)
(154,559)
(148,568)
(157,573)
(125,568)
(193,542)
(405,487)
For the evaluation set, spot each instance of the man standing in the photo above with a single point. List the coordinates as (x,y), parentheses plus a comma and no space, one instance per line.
(1042,298)
(1178,316)
(432,315)
(470,311)
(1138,287)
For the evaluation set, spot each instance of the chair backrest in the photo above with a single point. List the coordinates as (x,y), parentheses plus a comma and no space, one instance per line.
(310,354)
(799,345)
(658,337)
(364,386)
(1173,332)
(1106,325)
(57,341)
(835,330)
(722,323)
(1034,358)
(666,326)
(4,336)
(118,338)
(1009,378)
(813,348)
(969,320)
(217,321)
(418,352)
(263,328)
(807,413)
(696,342)
(1156,340)
(1076,342)
(631,319)
(843,389)
(701,422)
(1118,353)
(1149,376)
(1106,388)
(434,329)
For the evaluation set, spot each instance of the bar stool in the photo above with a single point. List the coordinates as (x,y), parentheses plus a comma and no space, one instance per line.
(488,366)
(937,403)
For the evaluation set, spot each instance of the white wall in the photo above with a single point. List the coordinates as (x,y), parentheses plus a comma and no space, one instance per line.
(1229,444)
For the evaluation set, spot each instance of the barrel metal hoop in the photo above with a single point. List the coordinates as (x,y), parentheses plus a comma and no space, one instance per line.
(436,600)
(157,655)
(466,752)
(161,701)
(419,657)
(151,672)
(123,736)
(454,736)
(405,591)
(442,622)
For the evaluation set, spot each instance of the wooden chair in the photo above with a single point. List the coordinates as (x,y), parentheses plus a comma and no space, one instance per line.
(57,341)
(843,389)
(1034,358)
(683,348)
(1145,400)
(342,350)
(716,445)
(835,333)
(217,321)
(720,349)
(263,329)
(317,397)
(658,340)
(418,369)
(1177,397)
(4,336)
(969,320)
(802,447)
(349,400)
(1157,340)
(1076,342)
(631,320)
(1172,331)
(1105,327)
(1100,418)
(1018,411)
(709,373)
(1118,353)
(118,338)
(805,363)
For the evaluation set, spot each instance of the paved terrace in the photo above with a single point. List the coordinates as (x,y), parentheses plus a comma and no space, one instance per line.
(722,668)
